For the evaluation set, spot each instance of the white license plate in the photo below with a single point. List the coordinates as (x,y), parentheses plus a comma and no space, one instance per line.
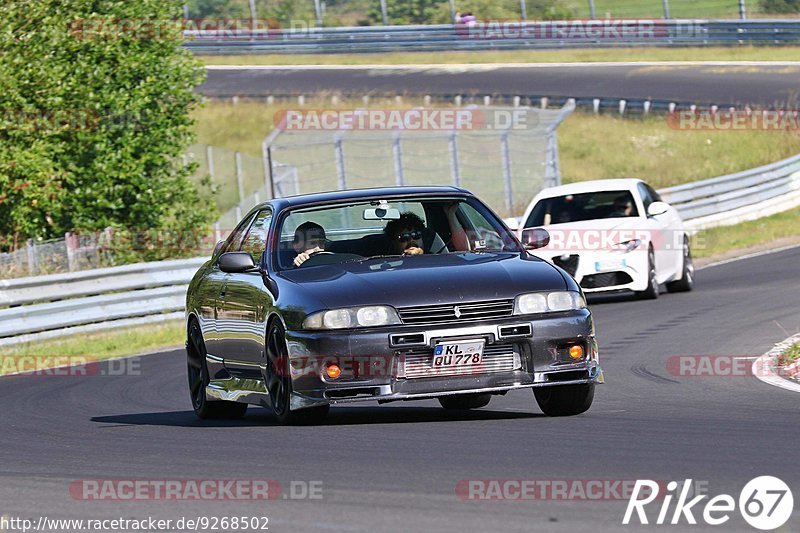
(458,354)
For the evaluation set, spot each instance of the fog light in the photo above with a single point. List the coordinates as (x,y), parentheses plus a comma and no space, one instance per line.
(333,371)
(576,351)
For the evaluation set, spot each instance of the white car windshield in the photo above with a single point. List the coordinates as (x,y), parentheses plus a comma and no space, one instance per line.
(584,206)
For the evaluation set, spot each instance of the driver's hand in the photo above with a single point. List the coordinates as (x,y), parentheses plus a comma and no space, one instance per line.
(303,257)
(414,250)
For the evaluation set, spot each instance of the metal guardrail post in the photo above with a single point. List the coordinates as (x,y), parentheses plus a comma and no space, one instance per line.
(397,152)
(523,10)
(591,9)
(210,161)
(507,182)
(340,171)
(742,10)
(384,16)
(454,170)
(666,9)
(239,177)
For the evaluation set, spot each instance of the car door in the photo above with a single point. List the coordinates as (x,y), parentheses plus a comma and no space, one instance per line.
(212,290)
(673,234)
(245,305)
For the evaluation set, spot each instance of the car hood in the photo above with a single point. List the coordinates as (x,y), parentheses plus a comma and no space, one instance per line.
(426,279)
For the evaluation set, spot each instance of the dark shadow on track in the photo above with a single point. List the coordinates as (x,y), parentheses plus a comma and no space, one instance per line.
(339,416)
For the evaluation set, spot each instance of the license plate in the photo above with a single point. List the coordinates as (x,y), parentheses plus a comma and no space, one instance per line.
(458,354)
(610,264)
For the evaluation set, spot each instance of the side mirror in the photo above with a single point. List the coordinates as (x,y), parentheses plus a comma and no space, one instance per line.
(533,238)
(235,262)
(217,248)
(657,208)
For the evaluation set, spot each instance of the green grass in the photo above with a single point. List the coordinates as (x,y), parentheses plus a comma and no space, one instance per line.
(714,242)
(744,53)
(92,346)
(791,355)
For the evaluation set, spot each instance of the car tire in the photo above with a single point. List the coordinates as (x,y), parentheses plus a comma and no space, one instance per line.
(686,283)
(651,292)
(564,400)
(199,379)
(465,401)
(279,382)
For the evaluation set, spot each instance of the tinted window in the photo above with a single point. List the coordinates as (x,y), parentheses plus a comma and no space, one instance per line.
(234,240)
(647,198)
(578,207)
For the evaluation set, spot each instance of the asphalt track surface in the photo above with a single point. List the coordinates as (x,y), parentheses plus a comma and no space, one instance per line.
(757,85)
(395,467)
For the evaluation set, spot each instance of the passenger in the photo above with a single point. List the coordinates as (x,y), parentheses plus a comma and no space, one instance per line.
(309,238)
(405,234)
(623,207)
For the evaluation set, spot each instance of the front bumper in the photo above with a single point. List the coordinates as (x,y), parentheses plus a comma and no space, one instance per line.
(389,364)
(597,271)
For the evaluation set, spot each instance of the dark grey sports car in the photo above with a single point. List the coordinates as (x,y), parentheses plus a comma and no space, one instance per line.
(385,295)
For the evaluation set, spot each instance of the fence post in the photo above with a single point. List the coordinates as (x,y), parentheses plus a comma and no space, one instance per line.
(506,156)
(30,248)
(253,17)
(397,152)
(384,15)
(666,9)
(552,171)
(453,11)
(318,12)
(239,177)
(186,11)
(591,9)
(210,161)
(742,10)
(69,244)
(523,10)
(453,142)
(266,159)
(339,155)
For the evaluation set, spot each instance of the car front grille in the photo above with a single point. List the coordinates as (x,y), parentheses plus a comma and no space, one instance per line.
(436,314)
(568,263)
(606,279)
(496,358)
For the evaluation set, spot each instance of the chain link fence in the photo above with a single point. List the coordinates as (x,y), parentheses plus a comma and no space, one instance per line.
(72,253)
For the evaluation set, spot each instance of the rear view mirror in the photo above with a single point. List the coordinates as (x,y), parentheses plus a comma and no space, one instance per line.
(657,208)
(533,238)
(235,262)
(381,213)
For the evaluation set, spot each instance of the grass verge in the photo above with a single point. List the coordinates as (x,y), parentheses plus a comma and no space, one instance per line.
(716,244)
(90,347)
(724,53)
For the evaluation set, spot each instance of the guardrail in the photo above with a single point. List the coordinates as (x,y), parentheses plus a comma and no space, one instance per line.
(738,197)
(48,306)
(498,35)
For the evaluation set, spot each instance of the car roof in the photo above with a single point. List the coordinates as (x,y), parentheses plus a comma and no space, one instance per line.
(362,194)
(591,186)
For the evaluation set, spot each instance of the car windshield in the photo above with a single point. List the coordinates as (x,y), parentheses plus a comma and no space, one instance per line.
(584,206)
(389,227)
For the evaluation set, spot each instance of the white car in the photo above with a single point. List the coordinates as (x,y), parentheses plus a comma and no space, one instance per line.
(613,234)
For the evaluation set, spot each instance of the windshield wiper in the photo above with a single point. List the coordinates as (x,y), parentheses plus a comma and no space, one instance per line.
(361,259)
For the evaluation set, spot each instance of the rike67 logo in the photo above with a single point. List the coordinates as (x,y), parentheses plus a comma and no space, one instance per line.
(765,503)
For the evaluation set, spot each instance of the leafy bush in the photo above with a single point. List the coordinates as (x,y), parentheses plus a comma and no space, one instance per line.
(780,6)
(94,119)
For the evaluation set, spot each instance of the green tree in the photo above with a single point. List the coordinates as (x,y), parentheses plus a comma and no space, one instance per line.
(95,102)
(408,11)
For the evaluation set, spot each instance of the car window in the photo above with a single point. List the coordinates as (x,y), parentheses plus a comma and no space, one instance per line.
(653,193)
(234,240)
(647,198)
(256,240)
(481,234)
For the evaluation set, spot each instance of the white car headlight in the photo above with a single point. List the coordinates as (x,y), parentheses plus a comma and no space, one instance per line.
(544,302)
(352,317)
(628,246)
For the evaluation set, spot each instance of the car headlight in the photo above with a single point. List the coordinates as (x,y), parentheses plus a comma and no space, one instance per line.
(544,302)
(352,317)
(628,246)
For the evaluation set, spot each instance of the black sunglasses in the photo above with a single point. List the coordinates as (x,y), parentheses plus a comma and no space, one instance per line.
(409,235)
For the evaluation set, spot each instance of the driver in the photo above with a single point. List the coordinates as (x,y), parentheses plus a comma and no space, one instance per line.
(623,207)
(405,234)
(309,238)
